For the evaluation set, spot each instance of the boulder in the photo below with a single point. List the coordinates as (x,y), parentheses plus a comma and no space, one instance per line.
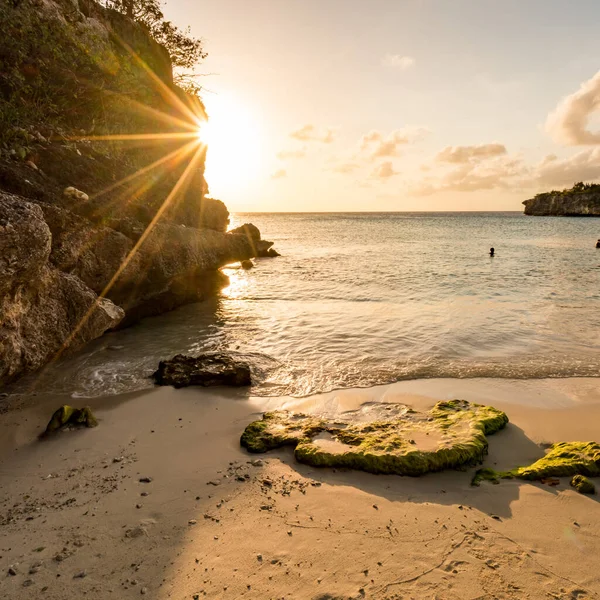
(176,265)
(249,230)
(583,485)
(68,416)
(260,248)
(45,312)
(247,264)
(206,370)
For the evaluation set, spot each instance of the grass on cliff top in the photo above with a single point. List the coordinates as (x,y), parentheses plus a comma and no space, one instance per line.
(451,435)
(564,459)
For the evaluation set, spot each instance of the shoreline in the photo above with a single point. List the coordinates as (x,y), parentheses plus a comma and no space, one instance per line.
(320,533)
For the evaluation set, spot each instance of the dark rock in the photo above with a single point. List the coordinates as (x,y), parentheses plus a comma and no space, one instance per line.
(247,264)
(249,230)
(272,253)
(67,415)
(205,370)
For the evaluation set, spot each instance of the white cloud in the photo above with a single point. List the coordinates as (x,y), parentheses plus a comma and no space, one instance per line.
(466,154)
(472,168)
(379,145)
(384,171)
(279,174)
(309,133)
(396,61)
(583,166)
(569,121)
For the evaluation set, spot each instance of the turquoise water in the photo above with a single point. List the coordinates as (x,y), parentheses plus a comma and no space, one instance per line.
(364,299)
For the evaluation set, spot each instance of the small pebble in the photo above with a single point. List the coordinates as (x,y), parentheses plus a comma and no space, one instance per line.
(145,479)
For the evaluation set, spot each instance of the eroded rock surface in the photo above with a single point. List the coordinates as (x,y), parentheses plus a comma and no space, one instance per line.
(206,370)
(397,440)
(557,204)
(43,311)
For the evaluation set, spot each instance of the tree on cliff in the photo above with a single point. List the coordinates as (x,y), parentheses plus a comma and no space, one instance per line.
(185,50)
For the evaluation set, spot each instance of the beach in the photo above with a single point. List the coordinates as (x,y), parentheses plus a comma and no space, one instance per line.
(160,500)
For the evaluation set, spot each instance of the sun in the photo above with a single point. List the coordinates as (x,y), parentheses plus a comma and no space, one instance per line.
(205,132)
(233,136)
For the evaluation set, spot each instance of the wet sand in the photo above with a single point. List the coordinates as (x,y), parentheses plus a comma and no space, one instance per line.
(214,522)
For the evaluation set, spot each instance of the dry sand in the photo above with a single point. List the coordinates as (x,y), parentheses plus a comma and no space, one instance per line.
(76,521)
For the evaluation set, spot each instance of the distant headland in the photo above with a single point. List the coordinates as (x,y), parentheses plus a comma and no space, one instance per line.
(582,200)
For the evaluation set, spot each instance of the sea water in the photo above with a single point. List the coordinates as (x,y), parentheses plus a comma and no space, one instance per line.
(359,299)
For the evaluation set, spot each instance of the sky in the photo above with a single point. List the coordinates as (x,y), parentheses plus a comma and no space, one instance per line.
(396,105)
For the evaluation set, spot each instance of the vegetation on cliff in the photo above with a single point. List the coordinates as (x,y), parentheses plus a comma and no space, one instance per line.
(583,199)
(402,441)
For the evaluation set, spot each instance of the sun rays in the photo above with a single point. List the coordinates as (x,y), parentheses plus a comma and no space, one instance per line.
(185,123)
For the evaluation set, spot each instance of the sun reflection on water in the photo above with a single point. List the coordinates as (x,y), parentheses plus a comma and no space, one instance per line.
(238,283)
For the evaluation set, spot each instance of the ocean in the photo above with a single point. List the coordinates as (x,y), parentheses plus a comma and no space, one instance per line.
(360,299)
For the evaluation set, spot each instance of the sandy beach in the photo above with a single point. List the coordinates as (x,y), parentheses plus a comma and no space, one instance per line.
(160,500)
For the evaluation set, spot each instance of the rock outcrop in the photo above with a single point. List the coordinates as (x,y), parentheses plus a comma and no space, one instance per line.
(260,248)
(585,203)
(43,311)
(210,369)
(96,233)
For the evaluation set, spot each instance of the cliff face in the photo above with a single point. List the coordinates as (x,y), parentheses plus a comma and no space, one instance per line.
(558,204)
(138,235)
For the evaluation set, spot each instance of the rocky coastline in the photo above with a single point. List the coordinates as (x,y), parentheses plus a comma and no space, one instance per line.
(579,201)
(96,232)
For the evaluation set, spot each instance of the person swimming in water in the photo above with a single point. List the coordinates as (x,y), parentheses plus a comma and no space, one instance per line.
(492,251)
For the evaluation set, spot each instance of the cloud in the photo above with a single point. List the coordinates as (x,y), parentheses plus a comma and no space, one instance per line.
(466,154)
(583,166)
(379,145)
(474,168)
(279,174)
(568,122)
(384,171)
(346,168)
(395,61)
(287,154)
(309,133)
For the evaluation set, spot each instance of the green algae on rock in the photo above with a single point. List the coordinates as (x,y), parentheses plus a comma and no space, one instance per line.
(398,440)
(67,415)
(582,484)
(563,459)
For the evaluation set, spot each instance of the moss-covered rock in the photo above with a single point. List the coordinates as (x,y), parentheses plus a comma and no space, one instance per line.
(397,440)
(563,459)
(67,415)
(583,485)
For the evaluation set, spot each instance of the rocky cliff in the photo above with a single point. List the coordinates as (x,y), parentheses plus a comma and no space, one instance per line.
(104,214)
(568,203)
